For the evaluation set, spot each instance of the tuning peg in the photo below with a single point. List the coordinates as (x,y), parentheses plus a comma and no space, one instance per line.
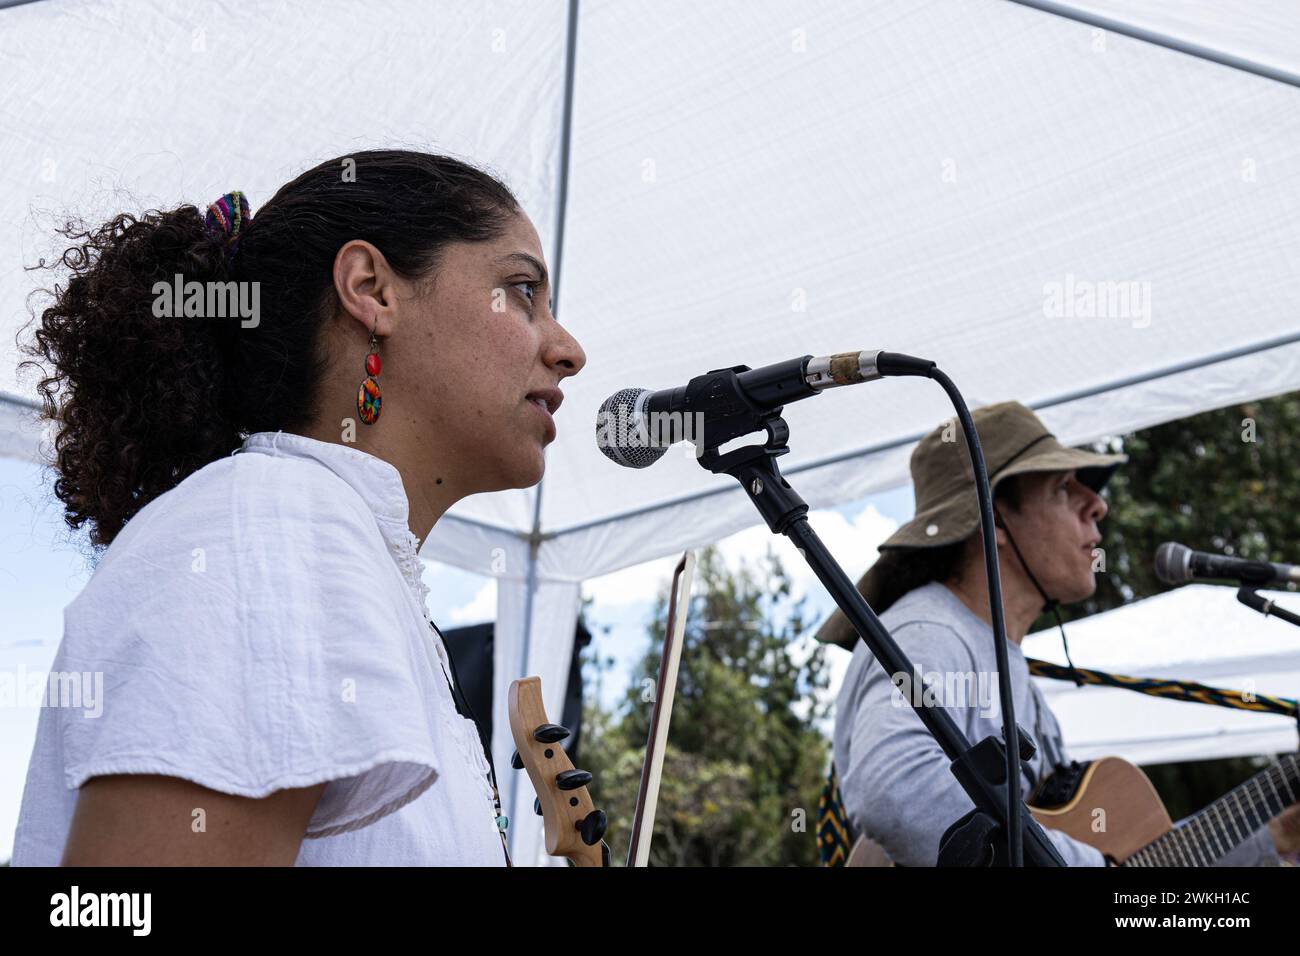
(572,779)
(537,806)
(592,827)
(550,733)
(516,761)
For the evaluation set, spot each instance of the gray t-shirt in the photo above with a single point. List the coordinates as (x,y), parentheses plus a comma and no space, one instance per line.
(896,781)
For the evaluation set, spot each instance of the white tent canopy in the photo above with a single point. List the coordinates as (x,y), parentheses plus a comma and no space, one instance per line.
(1196,633)
(1101,221)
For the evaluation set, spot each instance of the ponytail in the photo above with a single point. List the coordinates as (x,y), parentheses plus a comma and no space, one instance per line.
(145,398)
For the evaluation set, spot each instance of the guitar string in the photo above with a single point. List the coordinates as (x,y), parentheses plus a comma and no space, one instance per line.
(1202,824)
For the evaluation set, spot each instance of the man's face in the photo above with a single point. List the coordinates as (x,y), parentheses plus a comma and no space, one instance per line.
(1056,530)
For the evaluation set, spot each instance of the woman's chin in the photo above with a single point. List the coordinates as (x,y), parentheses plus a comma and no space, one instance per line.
(527,470)
(519,465)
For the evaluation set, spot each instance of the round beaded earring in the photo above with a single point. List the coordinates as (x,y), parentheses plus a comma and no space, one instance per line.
(369,396)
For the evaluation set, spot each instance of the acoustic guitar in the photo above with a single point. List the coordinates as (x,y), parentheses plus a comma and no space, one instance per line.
(1115,809)
(1110,804)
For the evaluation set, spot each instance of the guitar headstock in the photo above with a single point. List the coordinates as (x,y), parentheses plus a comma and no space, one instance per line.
(574,827)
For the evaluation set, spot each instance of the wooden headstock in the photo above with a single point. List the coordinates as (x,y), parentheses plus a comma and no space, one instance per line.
(574,827)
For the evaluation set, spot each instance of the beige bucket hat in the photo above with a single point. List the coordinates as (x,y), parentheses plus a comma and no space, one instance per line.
(1015,442)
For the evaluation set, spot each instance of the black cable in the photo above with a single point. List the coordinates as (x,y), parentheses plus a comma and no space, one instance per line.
(896,364)
(460,700)
(1050,603)
(1060,626)
(1010,732)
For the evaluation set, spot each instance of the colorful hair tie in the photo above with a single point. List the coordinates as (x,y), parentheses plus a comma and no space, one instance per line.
(225,218)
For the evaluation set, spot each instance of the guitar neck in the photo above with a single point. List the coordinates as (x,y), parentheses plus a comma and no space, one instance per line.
(1226,823)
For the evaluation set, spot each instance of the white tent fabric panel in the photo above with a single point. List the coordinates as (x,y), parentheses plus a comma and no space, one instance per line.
(1198,633)
(21,430)
(796,202)
(832,181)
(145,107)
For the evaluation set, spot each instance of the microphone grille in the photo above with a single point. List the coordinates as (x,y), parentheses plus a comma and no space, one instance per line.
(621,433)
(1171,563)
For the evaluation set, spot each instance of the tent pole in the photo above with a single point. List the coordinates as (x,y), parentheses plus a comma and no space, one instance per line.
(557,256)
(566,135)
(22,401)
(1159,39)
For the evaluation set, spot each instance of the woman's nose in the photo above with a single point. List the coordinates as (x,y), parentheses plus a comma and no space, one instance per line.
(565,353)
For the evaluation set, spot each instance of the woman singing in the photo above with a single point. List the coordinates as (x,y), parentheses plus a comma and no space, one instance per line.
(259,419)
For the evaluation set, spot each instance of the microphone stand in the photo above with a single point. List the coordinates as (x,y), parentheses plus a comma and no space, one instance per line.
(981,837)
(1248,596)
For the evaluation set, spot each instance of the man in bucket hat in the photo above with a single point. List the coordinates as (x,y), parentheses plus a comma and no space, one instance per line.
(930,588)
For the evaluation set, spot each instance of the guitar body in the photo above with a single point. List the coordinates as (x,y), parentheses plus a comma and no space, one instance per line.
(1110,804)
(1131,815)
(1114,809)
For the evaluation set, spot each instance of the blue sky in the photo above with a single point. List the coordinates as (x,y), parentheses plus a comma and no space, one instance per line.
(43,568)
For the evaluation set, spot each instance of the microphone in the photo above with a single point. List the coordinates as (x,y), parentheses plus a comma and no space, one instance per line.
(1177,564)
(635,426)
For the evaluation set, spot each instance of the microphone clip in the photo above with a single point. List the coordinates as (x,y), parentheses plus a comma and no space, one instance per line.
(753,465)
(1248,596)
(729,413)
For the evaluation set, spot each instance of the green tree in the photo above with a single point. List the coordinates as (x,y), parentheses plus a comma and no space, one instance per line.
(745,758)
(1226,481)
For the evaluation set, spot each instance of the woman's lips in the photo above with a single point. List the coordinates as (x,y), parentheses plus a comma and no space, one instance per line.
(538,405)
(547,402)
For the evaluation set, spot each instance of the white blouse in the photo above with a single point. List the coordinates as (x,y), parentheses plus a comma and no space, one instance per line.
(259,627)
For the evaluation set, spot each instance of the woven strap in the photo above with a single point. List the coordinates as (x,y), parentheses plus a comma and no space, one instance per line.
(1171,689)
(832,823)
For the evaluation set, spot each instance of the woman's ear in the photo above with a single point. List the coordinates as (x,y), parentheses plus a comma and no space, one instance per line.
(366,286)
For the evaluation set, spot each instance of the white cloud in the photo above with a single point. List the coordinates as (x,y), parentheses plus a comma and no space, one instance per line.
(481,607)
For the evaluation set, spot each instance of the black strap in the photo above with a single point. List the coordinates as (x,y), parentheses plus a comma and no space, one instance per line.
(453,684)
(1050,603)
(463,708)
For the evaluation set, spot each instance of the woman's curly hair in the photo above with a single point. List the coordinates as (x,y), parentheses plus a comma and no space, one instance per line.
(141,402)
